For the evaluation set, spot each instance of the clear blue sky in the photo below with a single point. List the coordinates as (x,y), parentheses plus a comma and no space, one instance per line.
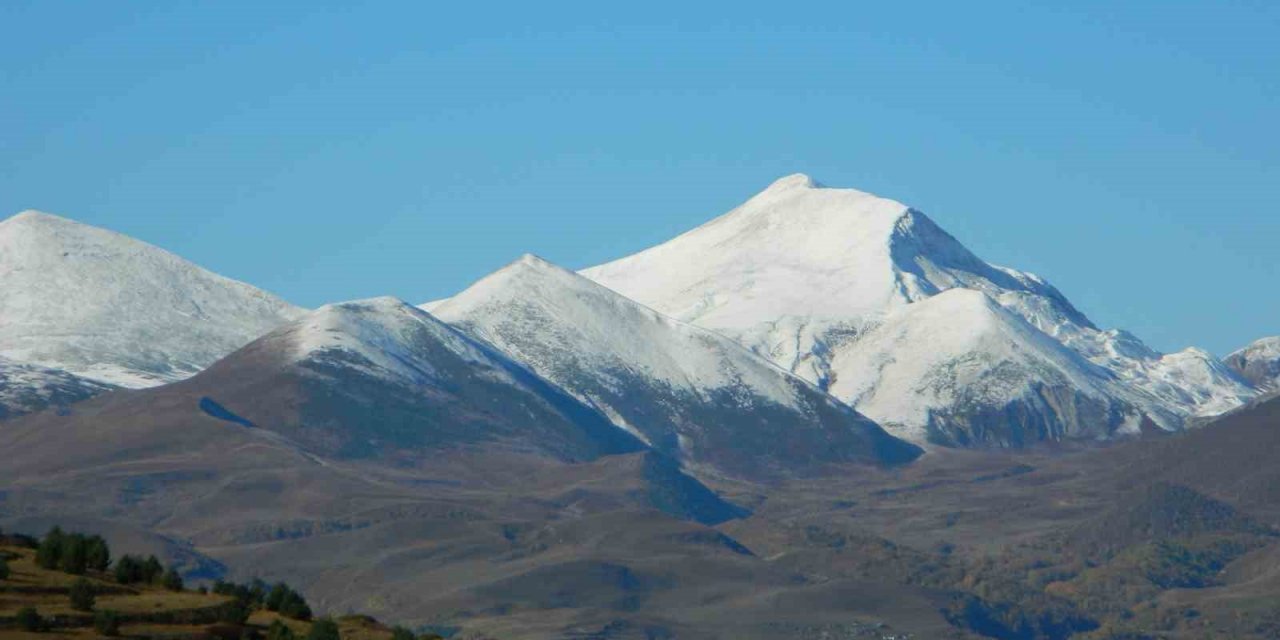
(1130,154)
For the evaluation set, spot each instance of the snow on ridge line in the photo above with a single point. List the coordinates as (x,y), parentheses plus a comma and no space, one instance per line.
(621,332)
(143,316)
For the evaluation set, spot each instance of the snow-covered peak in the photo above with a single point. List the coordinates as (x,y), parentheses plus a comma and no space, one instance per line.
(801,274)
(1258,362)
(107,307)
(386,336)
(686,391)
(793,181)
(822,254)
(576,319)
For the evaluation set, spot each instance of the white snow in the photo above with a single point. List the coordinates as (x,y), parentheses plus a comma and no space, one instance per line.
(110,308)
(800,272)
(26,387)
(391,339)
(562,325)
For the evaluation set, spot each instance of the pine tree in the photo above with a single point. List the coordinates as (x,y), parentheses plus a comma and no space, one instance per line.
(280,631)
(97,553)
(128,570)
(49,552)
(152,570)
(172,580)
(74,558)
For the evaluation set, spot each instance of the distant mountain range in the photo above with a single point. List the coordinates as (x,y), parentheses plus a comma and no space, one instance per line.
(861,297)
(749,431)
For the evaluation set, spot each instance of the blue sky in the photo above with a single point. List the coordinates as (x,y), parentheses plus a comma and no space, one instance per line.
(1130,154)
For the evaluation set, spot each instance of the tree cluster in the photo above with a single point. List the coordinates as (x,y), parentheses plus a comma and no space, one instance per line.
(280,597)
(73,553)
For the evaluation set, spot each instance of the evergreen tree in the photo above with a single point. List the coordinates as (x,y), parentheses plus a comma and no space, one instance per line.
(280,631)
(74,558)
(401,633)
(324,629)
(4,568)
(49,552)
(275,597)
(294,606)
(128,570)
(152,570)
(172,580)
(82,595)
(97,553)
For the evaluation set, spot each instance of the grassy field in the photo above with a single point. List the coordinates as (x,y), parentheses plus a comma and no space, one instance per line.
(146,611)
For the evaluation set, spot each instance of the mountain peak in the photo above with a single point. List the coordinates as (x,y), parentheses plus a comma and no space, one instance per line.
(115,309)
(794,181)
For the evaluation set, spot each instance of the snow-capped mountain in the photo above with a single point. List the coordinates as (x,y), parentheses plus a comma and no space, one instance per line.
(814,278)
(958,368)
(686,391)
(112,309)
(26,388)
(1259,363)
(379,376)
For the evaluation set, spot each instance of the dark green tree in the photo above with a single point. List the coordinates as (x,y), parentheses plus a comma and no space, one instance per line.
(173,580)
(294,606)
(97,553)
(49,552)
(107,622)
(275,598)
(152,570)
(29,620)
(4,568)
(280,631)
(401,633)
(74,558)
(234,613)
(324,629)
(82,595)
(128,570)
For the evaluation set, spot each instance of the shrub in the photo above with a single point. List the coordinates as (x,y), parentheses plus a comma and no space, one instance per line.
(82,595)
(4,568)
(29,620)
(49,552)
(280,631)
(107,622)
(234,613)
(401,633)
(324,629)
(173,580)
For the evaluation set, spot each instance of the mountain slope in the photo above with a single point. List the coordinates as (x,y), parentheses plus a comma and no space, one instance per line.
(26,388)
(106,307)
(960,369)
(686,391)
(1259,363)
(800,271)
(380,377)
